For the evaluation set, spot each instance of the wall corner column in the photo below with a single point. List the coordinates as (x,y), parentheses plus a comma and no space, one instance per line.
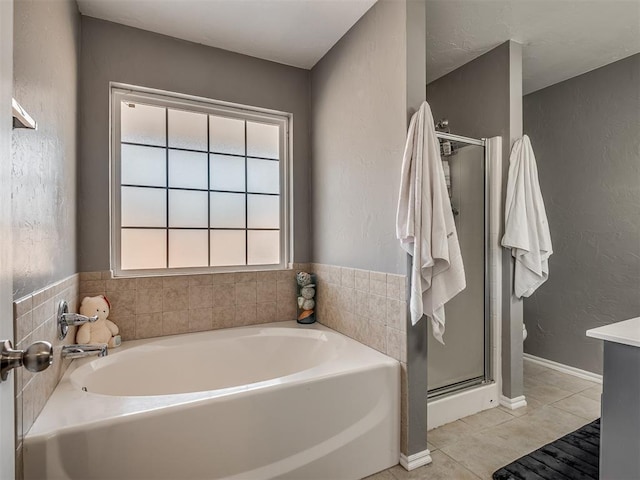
(512,307)
(416,368)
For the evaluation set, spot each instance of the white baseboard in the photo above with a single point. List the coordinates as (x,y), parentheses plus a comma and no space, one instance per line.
(462,404)
(576,372)
(416,460)
(513,403)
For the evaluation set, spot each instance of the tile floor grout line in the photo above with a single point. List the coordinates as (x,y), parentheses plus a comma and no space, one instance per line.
(489,457)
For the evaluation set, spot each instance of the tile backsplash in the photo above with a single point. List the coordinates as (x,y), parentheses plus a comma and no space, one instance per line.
(167,305)
(370,307)
(35,320)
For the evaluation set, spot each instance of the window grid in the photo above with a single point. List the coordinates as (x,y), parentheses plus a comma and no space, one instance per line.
(191,189)
(166,167)
(208,194)
(246,200)
(202,228)
(209,190)
(211,152)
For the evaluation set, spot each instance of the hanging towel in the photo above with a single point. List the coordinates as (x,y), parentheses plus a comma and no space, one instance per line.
(526,230)
(425,226)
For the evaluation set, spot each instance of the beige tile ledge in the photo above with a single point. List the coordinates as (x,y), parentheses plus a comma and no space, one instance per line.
(108,274)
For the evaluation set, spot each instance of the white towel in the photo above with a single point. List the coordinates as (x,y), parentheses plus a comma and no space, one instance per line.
(526,230)
(425,226)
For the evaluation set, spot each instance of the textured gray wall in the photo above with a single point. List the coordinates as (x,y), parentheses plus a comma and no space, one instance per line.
(416,79)
(483,98)
(45,63)
(585,133)
(7,399)
(474,97)
(359,115)
(363,93)
(112,52)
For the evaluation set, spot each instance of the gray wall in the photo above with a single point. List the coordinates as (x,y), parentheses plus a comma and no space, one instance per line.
(45,68)
(363,93)
(483,98)
(359,113)
(112,52)
(416,79)
(585,134)
(7,399)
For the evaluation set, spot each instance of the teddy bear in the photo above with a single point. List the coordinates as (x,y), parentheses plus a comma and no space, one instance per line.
(102,330)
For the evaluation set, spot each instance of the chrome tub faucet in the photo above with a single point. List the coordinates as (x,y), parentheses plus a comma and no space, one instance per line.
(84,350)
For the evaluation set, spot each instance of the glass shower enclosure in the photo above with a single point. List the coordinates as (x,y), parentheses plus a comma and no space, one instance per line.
(464,361)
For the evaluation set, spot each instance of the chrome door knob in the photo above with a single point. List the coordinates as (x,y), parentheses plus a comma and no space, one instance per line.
(35,358)
(38,356)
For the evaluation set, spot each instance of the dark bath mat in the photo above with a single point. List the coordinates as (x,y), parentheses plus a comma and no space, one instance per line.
(575,456)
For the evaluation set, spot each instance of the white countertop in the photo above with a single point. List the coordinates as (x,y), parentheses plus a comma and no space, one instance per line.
(626,332)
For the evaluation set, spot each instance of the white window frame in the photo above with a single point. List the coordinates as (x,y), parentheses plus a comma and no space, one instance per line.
(122,93)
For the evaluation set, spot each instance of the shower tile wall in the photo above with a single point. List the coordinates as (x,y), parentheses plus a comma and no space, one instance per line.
(169,305)
(370,307)
(35,320)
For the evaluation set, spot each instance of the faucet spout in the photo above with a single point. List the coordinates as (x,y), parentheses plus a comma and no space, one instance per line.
(84,350)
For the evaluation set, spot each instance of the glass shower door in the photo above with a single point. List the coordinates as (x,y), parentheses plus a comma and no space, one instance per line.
(461,361)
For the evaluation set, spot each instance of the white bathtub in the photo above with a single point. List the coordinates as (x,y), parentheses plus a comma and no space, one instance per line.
(271,401)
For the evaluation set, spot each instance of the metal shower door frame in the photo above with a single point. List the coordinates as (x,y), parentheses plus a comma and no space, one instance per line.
(488,373)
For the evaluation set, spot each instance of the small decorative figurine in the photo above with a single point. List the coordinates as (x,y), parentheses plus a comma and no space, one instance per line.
(306,297)
(101,331)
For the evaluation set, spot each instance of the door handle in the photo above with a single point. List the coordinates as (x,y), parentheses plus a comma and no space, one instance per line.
(35,358)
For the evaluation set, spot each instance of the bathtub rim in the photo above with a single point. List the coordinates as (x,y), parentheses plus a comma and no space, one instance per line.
(56,417)
(173,345)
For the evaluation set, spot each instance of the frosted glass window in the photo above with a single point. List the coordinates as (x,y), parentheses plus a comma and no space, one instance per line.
(188,248)
(263,140)
(263,211)
(264,247)
(143,165)
(226,135)
(263,176)
(187,169)
(227,173)
(197,184)
(187,130)
(227,210)
(228,247)
(141,249)
(143,207)
(142,124)
(187,208)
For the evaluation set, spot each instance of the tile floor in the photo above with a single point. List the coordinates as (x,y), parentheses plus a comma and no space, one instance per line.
(476,446)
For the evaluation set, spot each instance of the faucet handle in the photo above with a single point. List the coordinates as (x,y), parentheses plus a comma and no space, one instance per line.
(66,319)
(77,319)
